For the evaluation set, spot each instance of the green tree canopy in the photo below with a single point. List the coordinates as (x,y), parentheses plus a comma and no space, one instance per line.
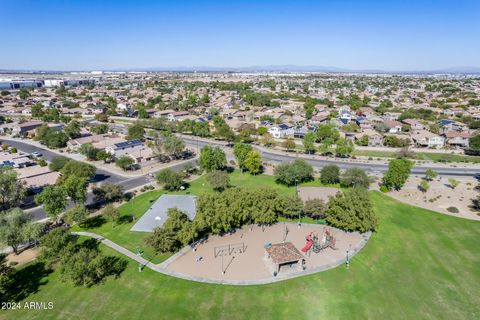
(355,177)
(330,174)
(170,179)
(309,142)
(53,199)
(351,211)
(240,151)
(135,131)
(12,190)
(212,158)
(295,172)
(397,173)
(219,180)
(253,162)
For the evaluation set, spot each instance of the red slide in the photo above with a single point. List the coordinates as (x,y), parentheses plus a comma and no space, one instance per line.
(307,246)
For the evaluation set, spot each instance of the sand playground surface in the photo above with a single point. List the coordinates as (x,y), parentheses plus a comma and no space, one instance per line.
(244,255)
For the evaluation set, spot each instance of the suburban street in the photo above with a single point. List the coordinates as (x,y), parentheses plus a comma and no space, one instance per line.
(277,157)
(101,176)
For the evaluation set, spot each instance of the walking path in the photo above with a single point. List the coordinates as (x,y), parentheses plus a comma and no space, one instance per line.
(162,267)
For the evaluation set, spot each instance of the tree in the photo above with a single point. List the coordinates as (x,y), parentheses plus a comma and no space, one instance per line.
(423,186)
(212,158)
(344,147)
(240,151)
(73,129)
(328,132)
(53,199)
(267,140)
(12,190)
(315,208)
(168,237)
(55,244)
(309,142)
(219,180)
(289,144)
(17,228)
(430,174)
(294,172)
(100,128)
(291,206)
(351,211)
(355,177)
(170,144)
(6,275)
(89,151)
(51,137)
(108,192)
(453,183)
(103,156)
(58,162)
(24,93)
(87,266)
(170,179)
(222,129)
(474,142)
(111,213)
(136,131)
(162,240)
(79,169)
(330,174)
(37,111)
(76,188)
(397,173)
(124,162)
(253,162)
(76,214)
(363,141)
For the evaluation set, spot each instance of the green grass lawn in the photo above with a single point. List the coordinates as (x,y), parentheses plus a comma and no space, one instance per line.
(120,233)
(419,265)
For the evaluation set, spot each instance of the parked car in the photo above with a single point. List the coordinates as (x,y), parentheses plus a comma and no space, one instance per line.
(36,155)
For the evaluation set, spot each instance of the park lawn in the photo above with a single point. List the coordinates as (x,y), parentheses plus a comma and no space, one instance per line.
(245,180)
(418,265)
(120,233)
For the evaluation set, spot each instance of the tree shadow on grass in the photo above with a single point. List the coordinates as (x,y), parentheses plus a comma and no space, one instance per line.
(94,222)
(127,218)
(114,266)
(26,281)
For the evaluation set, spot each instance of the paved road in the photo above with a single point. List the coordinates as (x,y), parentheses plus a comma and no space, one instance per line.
(274,157)
(101,176)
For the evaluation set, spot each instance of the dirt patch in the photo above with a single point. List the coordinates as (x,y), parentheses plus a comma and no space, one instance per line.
(25,256)
(323,193)
(441,196)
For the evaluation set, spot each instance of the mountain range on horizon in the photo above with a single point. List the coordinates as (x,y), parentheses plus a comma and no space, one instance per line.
(267,68)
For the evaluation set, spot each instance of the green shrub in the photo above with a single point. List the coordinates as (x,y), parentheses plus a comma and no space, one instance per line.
(453,210)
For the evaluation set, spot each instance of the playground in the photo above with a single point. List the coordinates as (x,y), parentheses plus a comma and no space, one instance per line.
(255,253)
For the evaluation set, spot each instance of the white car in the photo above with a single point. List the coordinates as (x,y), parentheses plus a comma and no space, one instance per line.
(36,154)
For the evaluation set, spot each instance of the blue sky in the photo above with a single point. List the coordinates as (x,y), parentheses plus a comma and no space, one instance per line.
(389,35)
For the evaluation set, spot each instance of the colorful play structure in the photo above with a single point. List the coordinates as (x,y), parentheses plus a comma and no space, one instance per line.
(316,245)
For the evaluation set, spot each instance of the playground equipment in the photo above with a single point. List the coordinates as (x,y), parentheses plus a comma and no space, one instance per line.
(229,249)
(314,244)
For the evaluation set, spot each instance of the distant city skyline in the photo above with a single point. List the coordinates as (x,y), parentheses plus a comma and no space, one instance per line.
(353,35)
